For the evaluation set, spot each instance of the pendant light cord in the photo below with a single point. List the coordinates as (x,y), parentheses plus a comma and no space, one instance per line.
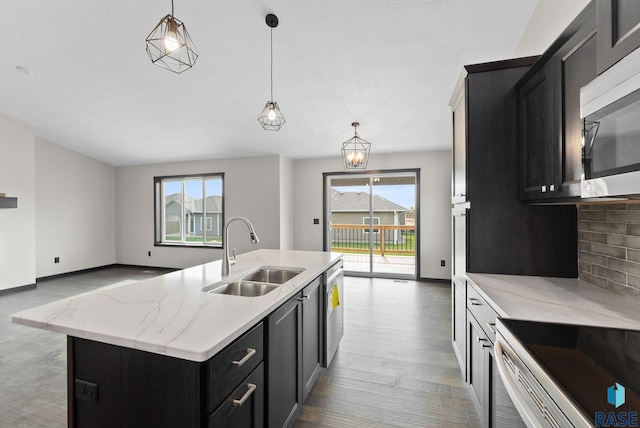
(172,9)
(271,63)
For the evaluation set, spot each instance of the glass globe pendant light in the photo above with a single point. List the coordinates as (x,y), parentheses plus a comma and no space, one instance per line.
(355,151)
(170,46)
(271,118)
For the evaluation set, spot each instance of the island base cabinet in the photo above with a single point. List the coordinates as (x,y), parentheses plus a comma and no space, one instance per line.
(245,406)
(111,386)
(284,364)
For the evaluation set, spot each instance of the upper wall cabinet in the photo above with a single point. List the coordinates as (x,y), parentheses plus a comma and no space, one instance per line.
(549,114)
(618,30)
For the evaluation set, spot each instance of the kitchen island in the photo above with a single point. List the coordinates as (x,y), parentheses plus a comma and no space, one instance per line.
(161,352)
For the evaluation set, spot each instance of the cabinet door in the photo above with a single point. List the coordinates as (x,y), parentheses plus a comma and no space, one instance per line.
(459,321)
(311,334)
(535,98)
(477,376)
(574,65)
(618,30)
(284,364)
(245,406)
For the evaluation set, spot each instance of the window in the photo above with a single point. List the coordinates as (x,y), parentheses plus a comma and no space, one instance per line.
(189,210)
(376,220)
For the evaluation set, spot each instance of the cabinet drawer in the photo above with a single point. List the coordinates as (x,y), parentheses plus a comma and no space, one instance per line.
(233,364)
(482,312)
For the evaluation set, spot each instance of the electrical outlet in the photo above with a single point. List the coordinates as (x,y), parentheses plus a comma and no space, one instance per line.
(56,259)
(149,254)
(86,391)
(316,221)
(442,263)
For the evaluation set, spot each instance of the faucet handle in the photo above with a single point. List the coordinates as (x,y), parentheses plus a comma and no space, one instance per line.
(232,259)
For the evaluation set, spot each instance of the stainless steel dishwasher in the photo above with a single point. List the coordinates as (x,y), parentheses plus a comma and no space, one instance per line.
(334,310)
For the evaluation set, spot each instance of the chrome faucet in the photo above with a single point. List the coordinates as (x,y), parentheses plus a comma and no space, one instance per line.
(226,260)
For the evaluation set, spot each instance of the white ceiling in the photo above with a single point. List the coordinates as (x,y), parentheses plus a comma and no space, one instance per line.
(389,64)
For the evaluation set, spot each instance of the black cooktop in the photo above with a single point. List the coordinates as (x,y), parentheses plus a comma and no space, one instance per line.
(586,361)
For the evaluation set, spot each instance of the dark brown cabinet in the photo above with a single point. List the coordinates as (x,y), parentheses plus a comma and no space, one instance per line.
(284,363)
(133,388)
(312,331)
(493,230)
(495,407)
(244,407)
(294,354)
(549,114)
(618,30)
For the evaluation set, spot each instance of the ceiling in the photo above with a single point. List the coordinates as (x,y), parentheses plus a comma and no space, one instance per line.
(389,64)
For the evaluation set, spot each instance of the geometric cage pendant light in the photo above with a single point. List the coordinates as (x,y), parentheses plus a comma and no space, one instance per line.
(271,118)
(170,46)
(355,151)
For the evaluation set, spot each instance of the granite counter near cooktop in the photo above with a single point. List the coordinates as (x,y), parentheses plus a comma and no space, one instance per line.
(559,300)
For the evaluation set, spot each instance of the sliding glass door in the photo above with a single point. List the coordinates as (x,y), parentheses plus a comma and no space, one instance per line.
(371,219)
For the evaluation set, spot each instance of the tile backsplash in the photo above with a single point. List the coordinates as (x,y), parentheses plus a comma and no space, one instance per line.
(609,247)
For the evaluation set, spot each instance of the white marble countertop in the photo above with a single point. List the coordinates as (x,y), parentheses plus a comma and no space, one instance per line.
(169,314)
(560,300)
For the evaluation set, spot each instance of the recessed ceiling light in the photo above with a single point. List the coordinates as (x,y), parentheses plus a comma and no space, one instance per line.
(24,70)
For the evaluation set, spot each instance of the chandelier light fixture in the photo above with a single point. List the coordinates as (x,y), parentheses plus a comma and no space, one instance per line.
(271,118)
(169,45)
(355,151)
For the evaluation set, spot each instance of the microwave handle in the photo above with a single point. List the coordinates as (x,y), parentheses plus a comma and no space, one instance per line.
(524,408)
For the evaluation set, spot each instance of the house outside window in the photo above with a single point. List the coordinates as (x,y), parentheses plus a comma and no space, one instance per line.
(189,210)
(376,220)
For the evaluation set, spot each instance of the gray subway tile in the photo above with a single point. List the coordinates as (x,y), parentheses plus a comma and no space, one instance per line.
(633,255)
(592,215)
(594,226)
(628,216)
(624,266)
(584,235)
(608,250)
(592,258)
(610,274)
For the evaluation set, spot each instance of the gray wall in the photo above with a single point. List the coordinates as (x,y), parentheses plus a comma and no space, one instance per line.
(17,225)
(609,247)
(251,189)
(75,217)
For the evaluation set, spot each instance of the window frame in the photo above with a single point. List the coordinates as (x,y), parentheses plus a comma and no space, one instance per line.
(159,210)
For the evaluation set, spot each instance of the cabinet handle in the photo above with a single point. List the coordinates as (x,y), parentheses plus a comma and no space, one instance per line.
(544,189)
(250,388)
(492,327)
(474,301)
(482,341)
(250,353)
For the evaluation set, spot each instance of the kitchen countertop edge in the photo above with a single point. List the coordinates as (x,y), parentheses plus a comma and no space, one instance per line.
(169,314)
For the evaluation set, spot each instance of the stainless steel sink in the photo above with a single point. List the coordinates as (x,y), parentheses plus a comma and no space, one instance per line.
(244,288)
(272,275)
(256,283)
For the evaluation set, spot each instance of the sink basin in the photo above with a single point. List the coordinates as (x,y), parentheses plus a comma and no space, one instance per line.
(272,275)
(254,284)
(244,288)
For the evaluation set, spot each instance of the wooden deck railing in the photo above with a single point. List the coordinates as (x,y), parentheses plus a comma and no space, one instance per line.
(387,238)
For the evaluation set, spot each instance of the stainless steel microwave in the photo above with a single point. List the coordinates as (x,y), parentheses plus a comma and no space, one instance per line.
(610,109)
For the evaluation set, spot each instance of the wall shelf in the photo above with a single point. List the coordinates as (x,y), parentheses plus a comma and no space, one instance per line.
(6,202)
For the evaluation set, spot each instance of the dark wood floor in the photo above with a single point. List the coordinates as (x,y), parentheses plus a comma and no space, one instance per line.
(395,365)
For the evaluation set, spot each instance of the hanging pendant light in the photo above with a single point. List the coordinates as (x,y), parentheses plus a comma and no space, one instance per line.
(355,151)
(169,45)
(271,118)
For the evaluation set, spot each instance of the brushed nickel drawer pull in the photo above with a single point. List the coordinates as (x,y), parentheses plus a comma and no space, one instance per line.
(492,327)
(251,387)
(474,301)
(250,353)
